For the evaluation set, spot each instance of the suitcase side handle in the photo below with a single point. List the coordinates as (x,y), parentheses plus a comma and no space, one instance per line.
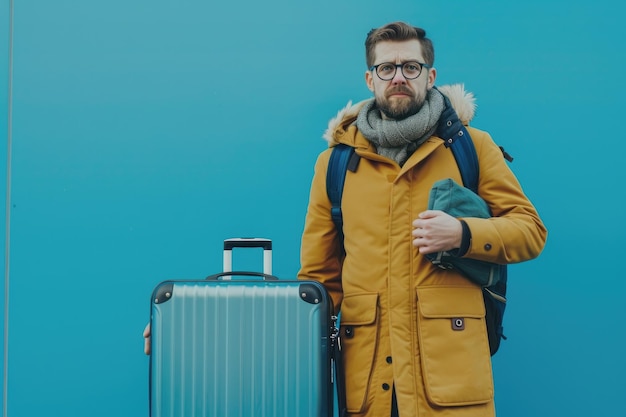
(251,242)
(228,274)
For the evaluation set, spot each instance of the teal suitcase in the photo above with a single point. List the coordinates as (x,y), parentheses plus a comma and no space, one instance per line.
(241,344)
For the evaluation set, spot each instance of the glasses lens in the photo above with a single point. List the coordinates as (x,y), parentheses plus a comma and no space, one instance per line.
(386,71)
(411,70)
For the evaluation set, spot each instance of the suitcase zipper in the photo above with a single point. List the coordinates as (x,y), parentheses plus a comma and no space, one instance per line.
(337,377)
(335,346)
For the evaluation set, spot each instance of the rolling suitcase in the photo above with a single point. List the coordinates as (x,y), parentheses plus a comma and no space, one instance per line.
(254,346)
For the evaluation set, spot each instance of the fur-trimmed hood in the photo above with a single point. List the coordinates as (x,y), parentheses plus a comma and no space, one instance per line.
(463,102)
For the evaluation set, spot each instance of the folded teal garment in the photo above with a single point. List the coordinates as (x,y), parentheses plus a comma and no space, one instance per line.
(458,201)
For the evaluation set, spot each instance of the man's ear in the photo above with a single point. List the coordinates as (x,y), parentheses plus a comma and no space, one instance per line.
(432,75)
(369,80)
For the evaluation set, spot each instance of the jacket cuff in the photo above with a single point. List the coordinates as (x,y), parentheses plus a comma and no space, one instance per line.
(466,239)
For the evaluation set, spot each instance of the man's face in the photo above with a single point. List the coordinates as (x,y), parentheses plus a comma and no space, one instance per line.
(399,97)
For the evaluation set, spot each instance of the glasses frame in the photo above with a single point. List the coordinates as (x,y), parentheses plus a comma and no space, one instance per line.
(401,66)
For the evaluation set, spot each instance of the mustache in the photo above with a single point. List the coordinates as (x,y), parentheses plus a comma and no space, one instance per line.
(399,89)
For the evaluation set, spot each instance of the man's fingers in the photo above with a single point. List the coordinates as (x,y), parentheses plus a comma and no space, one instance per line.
(429,214)
(424,216)
(146,337)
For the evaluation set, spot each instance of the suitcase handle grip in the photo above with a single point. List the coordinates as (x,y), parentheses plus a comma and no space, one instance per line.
(248,242)
(266,277)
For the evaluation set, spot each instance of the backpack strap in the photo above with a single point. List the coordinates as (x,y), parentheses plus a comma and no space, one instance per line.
(456,137)
(342,159)
(467,160)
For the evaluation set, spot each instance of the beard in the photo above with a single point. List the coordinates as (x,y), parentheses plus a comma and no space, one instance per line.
(400,108)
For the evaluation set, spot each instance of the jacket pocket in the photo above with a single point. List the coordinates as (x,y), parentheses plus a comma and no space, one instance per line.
(359,333)
(454,347)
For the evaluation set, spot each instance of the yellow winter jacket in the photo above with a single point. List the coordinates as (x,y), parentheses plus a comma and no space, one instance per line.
(396,307)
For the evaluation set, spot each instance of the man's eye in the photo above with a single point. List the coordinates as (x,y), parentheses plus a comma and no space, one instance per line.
(386,68)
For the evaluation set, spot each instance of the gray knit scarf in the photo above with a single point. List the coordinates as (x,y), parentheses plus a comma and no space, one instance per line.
(398,139)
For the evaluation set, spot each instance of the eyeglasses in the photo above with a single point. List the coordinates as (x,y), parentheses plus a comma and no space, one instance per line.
(410,70)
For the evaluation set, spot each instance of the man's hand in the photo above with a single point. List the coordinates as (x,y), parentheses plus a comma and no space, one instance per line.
(146,337)
(436,231)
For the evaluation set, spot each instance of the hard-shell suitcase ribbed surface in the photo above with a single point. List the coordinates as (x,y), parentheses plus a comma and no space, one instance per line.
(240,347)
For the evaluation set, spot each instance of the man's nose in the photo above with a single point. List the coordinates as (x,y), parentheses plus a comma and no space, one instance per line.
(398,78)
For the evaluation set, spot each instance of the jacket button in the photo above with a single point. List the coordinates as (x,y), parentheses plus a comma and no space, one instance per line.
(386,386)
(349,332)
(388,359)
(487,246)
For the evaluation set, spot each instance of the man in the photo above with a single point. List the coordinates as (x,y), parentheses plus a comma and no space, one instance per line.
(401,354)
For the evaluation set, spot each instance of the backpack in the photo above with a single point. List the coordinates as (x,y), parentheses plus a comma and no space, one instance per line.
(343,159)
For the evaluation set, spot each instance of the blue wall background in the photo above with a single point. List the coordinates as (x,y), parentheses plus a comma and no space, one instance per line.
(146,132)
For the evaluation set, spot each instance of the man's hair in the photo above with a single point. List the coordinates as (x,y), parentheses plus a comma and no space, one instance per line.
(396,32)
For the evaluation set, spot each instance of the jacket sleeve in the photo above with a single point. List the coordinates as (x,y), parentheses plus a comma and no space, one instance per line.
(321,254)
(515,233)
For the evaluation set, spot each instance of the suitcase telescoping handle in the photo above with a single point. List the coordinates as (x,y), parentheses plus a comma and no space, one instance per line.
(230,244)
(252,242)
